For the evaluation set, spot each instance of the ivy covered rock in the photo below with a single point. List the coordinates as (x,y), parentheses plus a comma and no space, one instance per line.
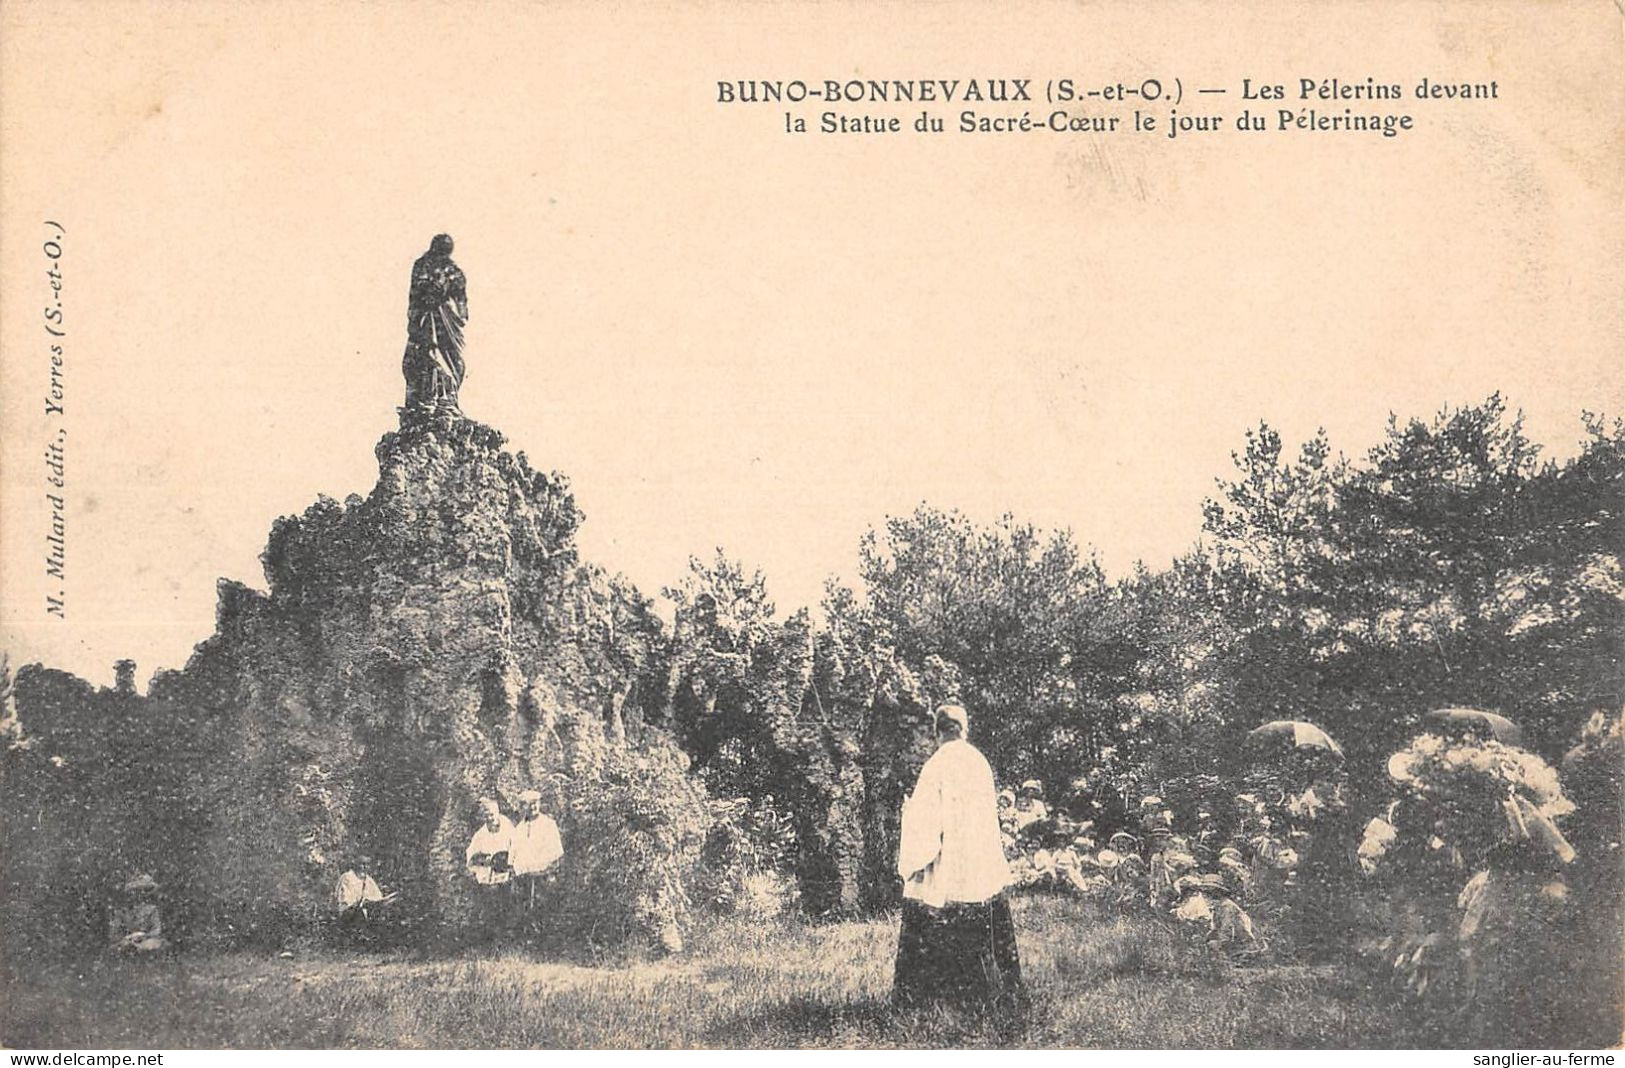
(431,644)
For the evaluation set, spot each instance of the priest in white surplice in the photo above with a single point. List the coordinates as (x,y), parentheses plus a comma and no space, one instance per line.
(536,847)
(957,944)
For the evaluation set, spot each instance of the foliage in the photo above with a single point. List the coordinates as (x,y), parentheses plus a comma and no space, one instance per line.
(1014,610)
(1592,772)
(756,702)
(1448,567)
(634,836)
(745,858)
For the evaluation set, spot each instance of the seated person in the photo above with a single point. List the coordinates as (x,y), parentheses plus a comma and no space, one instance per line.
(1044,866)
(1207,910)
(1078,868)
(1234,870)
(1007,811)
(1097,805)
(1154,817)
(1169,860)
(1126,871)
(359,902)
(135,925)
(1030,807)
(1272,865)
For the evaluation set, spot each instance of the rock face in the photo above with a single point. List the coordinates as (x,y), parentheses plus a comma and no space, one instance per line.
(432,644)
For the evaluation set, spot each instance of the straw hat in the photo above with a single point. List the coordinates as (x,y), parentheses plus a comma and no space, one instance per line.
(142,883)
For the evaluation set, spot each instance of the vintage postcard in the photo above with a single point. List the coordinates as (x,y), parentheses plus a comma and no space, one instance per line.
(848,525)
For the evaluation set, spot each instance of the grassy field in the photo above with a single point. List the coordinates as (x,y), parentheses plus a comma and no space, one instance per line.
(1097,979)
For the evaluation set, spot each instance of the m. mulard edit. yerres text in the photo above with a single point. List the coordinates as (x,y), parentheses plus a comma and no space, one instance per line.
(56,545)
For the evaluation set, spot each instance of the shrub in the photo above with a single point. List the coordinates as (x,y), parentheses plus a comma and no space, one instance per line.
(633,838)
(750,850)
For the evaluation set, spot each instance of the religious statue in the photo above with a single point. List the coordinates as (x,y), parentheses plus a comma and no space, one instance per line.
(436,310)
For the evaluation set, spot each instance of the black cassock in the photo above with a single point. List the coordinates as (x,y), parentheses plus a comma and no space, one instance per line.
(962,956)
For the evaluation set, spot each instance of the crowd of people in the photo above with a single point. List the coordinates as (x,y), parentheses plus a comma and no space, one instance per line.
(1463,863)
(1468,858)
(1208,869)
(1462,881)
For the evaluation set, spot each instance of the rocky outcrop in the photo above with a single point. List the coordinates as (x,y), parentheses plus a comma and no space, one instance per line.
(437,642)
(418,649)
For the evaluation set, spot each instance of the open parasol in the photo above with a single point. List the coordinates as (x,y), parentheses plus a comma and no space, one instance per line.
(1473,721)
(1296,733)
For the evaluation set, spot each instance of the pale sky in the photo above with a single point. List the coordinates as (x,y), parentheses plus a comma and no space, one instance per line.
(729,335)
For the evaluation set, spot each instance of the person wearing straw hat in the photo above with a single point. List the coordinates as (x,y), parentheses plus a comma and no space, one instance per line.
(957,944)
(1208,909)
(136,926)
(1124,842)
(1159,845)
(1030,807)
(1131,880)
(1080,869)
(1120,863)
(361,905)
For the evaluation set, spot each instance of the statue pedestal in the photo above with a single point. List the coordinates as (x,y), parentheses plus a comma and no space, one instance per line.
(445,415)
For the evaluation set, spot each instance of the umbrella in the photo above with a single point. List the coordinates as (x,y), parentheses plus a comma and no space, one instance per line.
(1402,767)
(1300,734)
(1500,728)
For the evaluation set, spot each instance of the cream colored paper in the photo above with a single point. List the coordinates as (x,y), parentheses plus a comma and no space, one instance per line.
(730,334)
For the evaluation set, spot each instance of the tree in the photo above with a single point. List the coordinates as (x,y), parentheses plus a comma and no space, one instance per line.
(1014,610)
(746,703)
(1447,567)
